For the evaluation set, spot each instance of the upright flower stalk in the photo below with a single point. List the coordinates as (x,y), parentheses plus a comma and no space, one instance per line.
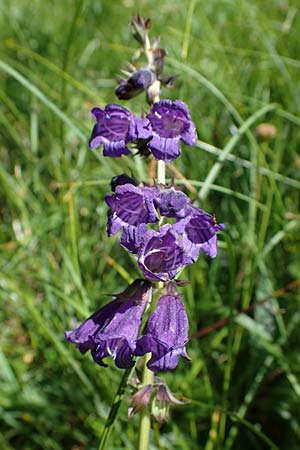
(158,224)
(148,376)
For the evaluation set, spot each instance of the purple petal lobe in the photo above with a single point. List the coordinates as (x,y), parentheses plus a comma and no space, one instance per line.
(165,149)
(132,237)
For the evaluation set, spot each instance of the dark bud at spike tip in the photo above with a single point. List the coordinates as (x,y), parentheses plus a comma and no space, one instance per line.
(138,82)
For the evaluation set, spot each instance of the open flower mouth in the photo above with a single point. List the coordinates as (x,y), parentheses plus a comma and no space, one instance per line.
(168,123)
(113,127)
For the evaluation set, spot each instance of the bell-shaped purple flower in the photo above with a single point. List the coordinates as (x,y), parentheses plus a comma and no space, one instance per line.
(115,128)
(170,123)
(172,203)
(130,206)
(113,330)
(167,333)
(198,230)
(161,254)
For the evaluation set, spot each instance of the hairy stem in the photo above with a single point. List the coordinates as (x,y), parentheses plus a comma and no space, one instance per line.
(161,172)
(145,421)
(148,375)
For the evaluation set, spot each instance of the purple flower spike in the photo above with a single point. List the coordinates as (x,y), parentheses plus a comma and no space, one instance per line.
(115,128)
(167,334)
(170,123)
(130,206)
(113,329)
(161,254)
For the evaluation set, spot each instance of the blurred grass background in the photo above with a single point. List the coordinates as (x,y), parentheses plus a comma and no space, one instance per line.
(239,68)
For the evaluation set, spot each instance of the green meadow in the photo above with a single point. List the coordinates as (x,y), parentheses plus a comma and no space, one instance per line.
(239,72)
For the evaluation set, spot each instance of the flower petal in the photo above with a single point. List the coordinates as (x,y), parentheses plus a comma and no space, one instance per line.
(167,334)
(130,206)
(165,149)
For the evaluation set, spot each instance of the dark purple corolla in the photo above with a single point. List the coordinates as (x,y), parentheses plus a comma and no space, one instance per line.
(161,254)
(130,206)
(115,128)
(113,330)
(198,230)
(170,122)
(167,333)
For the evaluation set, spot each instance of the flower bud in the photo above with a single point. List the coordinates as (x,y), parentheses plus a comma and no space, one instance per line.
(161,403)
(119,180)
(140,400)
(138,82)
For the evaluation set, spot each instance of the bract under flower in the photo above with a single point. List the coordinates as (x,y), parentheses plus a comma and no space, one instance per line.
(115,128)
(167,334)
(113,329)
(161,254)
(170,123)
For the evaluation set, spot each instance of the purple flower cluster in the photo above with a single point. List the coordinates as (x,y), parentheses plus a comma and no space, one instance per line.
(158,224)
(114,330)
(160,132)
(163,253)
